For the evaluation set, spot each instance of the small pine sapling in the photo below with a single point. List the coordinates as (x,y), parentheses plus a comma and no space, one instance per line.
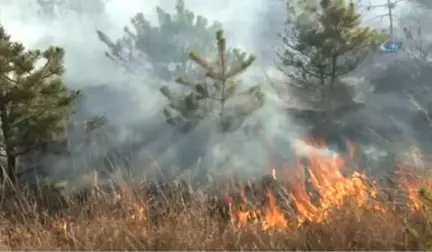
(218,95)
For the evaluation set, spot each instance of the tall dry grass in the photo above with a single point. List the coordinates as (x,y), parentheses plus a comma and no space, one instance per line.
(171,216)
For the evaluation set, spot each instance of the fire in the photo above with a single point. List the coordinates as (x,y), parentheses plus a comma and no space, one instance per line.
(273,215)
(330,186)
(243,213)
(60,226)
(270,217)
(243,217)
(138,211)
(317,187)
(117,197)
(412,182)
(333,192)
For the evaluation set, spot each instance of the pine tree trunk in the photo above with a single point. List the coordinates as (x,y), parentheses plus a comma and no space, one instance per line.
(10,157)
(330,93)
(11,168)
(390,14)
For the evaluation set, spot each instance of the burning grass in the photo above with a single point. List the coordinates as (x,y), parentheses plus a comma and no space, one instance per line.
(313,204)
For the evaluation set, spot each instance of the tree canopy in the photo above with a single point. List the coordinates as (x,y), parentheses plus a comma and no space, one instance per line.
(163,46)
(34,103)
(324,42)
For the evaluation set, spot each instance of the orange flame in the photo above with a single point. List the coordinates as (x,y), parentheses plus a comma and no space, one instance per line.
(273,215)
(60,226)
(412,182)
(317,186)
(139,211)
(331,187)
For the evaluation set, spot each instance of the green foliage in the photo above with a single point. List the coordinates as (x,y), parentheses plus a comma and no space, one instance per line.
(34,103)
(164,45)
(218,94)
(325,42)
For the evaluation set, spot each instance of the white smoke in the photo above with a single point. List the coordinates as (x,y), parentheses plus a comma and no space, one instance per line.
(86,64)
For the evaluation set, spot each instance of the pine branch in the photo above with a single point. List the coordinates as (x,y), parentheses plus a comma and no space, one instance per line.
(34,103)
(202,98)
(164,42)
(330,43)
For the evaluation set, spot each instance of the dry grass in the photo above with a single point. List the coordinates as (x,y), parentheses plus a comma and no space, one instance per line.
(178,219)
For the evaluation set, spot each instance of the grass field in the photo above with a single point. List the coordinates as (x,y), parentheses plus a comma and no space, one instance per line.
(323,207)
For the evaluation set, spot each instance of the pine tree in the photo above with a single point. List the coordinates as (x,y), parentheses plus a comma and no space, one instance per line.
(218,95)
(165,45)
(34,103)
(326,41)
(390,6)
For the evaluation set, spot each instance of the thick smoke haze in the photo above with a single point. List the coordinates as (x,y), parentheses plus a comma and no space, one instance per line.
(132,100)
(85,61)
